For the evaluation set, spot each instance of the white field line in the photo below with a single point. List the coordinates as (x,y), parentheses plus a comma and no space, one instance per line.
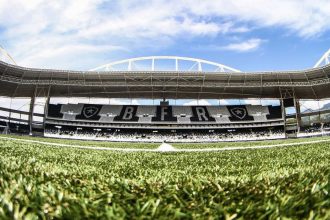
(156,150)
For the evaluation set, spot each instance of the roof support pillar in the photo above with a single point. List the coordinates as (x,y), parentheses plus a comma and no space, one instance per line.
(33,98)
(292,120)
(298,114)
(46,107)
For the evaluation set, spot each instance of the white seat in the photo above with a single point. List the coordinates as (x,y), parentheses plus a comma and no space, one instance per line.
(222,120)
(69,117)
(110,110)
(182,110)
(184,120)
(260,118)
(216,111)
(257,110)
(105,118)
(145,119)
(74,109)
(146,110)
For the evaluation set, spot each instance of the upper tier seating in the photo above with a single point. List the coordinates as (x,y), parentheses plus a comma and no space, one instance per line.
(181,114)
(260,118)
(182,110)
(218,111)
(275,112)
(222,119)
(54,111)
(107,118)
(69,116)
(73,109)
(184,120)
(146,110)
(110,110)
(145,119)
(257,110)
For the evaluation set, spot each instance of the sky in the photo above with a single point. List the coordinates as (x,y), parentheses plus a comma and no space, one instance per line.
(244,34)
(249,35)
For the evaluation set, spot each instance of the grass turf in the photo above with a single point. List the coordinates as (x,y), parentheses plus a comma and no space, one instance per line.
(139,145)
(37,181)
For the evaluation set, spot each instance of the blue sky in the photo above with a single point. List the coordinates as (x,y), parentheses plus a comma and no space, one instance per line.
(250,35)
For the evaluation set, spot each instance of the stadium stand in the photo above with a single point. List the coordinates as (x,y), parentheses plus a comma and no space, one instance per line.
(161,136)
(189,122)
(274,112)
(156,123)
(182,111)
(54,111)
(165,114)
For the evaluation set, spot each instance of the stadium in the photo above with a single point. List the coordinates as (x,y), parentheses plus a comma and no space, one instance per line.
(70,155)
(163,81)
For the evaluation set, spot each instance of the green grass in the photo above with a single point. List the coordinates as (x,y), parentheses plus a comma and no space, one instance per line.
(247,143)
(40,182)
(88,143)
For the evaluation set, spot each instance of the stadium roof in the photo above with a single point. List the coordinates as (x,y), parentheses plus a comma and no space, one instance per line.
(153,63)
(324,60)
(5,56)
(16,81)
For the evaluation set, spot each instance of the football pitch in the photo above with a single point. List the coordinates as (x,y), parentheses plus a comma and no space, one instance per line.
(42,181)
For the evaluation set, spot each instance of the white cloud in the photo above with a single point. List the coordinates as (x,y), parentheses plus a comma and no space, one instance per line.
(245,46)
(305,17)
(65,55)
(54,33)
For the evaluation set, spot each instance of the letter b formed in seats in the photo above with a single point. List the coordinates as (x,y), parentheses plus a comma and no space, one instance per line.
(127,113)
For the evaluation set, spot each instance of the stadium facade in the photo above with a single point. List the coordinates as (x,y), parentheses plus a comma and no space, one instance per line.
(199,80)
